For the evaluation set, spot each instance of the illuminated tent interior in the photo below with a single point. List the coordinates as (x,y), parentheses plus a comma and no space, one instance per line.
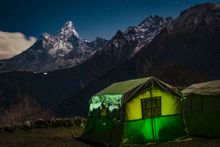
(202,108)
(135,111)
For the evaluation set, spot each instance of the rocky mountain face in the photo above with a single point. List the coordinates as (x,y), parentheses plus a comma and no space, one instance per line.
(180,52)
(124,45)
(145,32)
(51,52)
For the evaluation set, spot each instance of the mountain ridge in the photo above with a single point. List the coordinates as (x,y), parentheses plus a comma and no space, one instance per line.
(66,49)
(52,52)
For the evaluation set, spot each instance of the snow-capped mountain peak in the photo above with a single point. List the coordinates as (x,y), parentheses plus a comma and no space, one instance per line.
(51,52)
(63,42)
(145,32)
(68,30)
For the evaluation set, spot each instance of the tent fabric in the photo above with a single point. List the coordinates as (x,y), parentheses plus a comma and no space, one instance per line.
(100,130)
(131,87)
(124,117)
(206,88)
(205,124)
(201,108)
(167,126)
(170,104)
(122,87)
(201,113)
(156,129)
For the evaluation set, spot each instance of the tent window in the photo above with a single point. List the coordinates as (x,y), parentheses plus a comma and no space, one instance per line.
(151,106)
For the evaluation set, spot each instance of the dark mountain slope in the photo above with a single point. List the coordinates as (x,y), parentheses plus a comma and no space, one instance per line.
(193,42)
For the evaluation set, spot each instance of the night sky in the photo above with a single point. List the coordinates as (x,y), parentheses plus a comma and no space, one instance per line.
(91,18)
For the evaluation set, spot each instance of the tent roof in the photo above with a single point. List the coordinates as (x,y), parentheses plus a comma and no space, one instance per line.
(206,88)
(126,86)
(122,87)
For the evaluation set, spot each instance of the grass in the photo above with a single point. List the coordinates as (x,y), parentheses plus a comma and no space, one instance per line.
(64,137)
(195,142)
(191,142)
(56,137)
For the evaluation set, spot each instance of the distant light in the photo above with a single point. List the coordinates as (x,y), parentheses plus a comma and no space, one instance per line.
(45,73)
(35,72)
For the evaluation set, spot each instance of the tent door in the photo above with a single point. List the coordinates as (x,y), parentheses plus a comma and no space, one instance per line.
(151,107)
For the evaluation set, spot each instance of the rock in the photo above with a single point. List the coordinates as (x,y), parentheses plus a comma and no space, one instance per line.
(40,123)
(8,128)
(26,125)
(63,122)
(67,122)
(79,121)
(17,125)
(1,129)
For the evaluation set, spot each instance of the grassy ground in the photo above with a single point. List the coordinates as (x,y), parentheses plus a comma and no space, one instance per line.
(56,137)
(194,142)
(64,137)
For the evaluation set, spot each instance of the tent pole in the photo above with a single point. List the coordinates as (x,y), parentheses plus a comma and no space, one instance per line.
(151,99)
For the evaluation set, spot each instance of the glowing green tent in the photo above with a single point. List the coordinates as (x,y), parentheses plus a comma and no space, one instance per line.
(134,112)
(202,108)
